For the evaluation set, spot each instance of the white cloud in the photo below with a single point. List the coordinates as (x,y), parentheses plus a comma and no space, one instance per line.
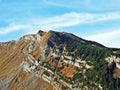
(110,39)
(72,19)
(60,21)
(12,28)
(104,36)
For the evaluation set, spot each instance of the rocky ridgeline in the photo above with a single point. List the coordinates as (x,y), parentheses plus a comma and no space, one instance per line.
(116,61)
(19,61)
(55,61)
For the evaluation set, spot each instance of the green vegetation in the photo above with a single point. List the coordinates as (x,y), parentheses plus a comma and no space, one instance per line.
(47,65)
(95,55)
(46,73)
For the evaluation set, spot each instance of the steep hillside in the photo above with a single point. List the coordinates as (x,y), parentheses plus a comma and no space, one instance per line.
(58,61)
(16,58)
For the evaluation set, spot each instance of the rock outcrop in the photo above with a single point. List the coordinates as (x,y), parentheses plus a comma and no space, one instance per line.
(19,61)
(58,61)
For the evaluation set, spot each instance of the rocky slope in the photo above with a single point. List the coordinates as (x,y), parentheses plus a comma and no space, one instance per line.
(58,61)
(17,58)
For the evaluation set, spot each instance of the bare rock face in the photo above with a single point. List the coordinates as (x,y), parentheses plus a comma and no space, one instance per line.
(58,61)
(19,65)
(34,37)
(41,33)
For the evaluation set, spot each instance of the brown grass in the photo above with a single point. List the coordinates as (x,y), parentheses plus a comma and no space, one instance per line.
(68,71)
(116,73)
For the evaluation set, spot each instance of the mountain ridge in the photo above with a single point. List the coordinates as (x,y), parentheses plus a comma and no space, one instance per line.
(59,61)
(77,38)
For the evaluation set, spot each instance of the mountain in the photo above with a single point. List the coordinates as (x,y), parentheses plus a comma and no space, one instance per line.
(58,61)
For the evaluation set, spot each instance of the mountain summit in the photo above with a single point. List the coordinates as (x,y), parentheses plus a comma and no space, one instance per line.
(58,61)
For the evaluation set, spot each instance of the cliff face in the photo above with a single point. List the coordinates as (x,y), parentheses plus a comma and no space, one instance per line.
(15,60)
(59,61)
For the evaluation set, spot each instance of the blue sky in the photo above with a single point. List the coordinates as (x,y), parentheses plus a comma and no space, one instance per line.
(96,20)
